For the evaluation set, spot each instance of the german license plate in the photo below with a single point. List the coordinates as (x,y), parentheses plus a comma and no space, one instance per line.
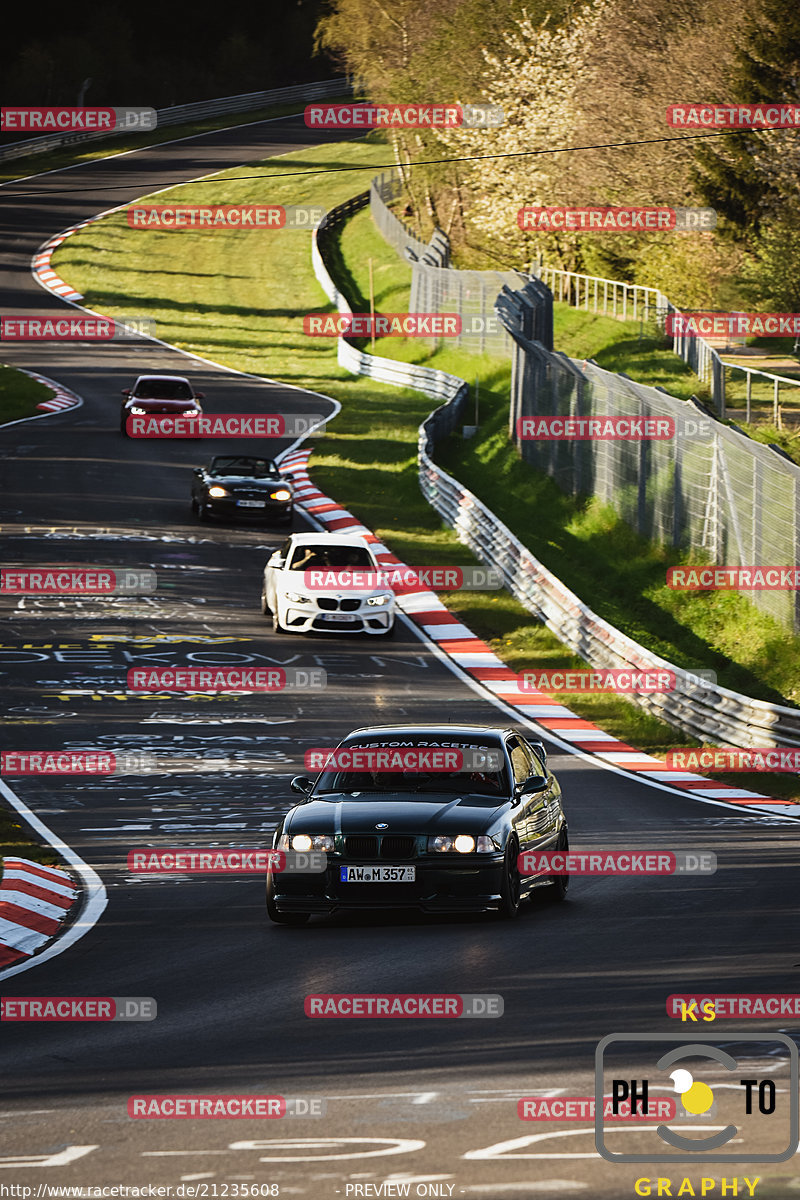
(252,503)
(343,618)
(377,874)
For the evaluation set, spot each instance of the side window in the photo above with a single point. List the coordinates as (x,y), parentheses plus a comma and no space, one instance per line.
(538,766)
(284,550)
(522,761)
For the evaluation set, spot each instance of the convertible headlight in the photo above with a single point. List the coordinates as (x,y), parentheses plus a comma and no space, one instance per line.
(297,597)
(283,494)
(384,598)
(217,491)
(461,843)
(306,841)
(136,411)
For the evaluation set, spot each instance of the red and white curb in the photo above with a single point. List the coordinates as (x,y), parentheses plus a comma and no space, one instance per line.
(44,273)
(62,399)
(34,902)
(476,661)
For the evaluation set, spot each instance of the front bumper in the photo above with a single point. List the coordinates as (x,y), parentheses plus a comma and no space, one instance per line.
(463,886)
(225,506)
(310,618)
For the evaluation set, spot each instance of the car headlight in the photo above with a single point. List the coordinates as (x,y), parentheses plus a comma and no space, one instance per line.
(217,491)
(306,841)
(136,411)
(297,597)
(384,598)
(461,843)
(283,494)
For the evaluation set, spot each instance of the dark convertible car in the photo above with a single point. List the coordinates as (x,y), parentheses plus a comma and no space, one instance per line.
(236,485)
(433,840)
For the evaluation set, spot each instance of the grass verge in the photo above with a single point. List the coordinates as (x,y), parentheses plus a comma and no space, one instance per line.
(19,394)
(239,298)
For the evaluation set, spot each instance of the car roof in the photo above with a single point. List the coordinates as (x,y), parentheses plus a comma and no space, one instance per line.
(328,539)
(491,731)
(172,378)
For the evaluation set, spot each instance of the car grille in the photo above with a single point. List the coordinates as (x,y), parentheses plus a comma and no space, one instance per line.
(247,494)
(330,604)
(390,846)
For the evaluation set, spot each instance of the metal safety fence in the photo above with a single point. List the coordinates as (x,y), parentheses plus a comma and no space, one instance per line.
(709,711)
(178,114)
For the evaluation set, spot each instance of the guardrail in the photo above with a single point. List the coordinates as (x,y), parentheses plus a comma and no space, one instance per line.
(633,302)
(777,381)
(177,114)
(708,711)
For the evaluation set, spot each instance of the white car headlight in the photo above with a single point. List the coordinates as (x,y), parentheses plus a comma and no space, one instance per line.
(461,843)
(297,597)
(136,411)
(218,491)
(283,494)
(311,841)
(384,598)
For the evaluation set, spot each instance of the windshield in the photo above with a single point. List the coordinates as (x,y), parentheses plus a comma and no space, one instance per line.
(256,468)
(314,556)
(414,769)
(162,389)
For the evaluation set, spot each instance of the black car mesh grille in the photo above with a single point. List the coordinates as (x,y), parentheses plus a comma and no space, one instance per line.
(349,605)
(361,847)
(389,846)
(397,846)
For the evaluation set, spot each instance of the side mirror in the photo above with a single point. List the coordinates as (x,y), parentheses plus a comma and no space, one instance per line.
(199,395)
(276,560)
(197,470)
(126,391)
(536,783)
(540,750)
(302,784)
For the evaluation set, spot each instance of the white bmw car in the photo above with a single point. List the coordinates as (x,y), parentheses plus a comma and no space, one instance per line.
(326,582)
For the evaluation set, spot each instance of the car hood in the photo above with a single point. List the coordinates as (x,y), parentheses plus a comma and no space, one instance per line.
(403,813)
(163,405)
